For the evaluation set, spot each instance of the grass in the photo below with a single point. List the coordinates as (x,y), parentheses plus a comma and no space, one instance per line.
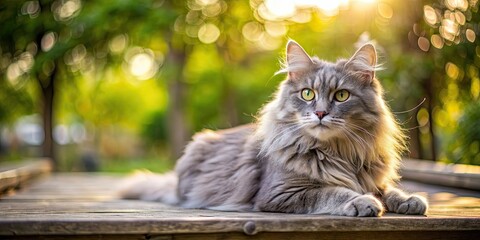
(129,165)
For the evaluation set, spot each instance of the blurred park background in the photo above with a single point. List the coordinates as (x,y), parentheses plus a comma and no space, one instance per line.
(114,85)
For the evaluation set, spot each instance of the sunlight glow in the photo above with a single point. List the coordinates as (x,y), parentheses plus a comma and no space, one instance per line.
(281,9)
(273,10)
(329,8)
(273,17)
(143,63)
(385,10)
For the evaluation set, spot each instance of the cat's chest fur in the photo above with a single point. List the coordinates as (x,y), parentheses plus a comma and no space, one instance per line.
(320,163)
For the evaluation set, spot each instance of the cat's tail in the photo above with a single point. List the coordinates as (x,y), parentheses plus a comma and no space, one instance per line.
(144,185)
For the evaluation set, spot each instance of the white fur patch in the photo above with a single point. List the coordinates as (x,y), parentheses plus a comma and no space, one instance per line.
(150,187)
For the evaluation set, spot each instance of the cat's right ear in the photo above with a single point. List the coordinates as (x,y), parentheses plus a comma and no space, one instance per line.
(298,61)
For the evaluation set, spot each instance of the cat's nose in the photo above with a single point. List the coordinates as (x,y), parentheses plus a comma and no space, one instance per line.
(321,114)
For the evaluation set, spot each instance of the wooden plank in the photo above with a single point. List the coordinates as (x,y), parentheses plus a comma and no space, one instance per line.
(195,225)
(396,235)
(452,175)
(17,174)
(86,204)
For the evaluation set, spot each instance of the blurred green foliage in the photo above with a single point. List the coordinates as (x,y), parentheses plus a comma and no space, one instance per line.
(141,76)
(127,165)
(155,129)
(464,146)
(13,103)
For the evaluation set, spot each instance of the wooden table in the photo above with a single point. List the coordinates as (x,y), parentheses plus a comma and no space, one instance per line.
(84,206)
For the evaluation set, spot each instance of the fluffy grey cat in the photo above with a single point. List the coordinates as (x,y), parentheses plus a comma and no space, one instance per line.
(326,144)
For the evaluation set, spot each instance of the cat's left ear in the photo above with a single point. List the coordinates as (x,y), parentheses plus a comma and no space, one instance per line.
(298,61)
(363,62)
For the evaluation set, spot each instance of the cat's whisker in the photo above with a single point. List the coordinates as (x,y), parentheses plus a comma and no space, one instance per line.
(290,128)
(287,128)
(361,142)
(412,109)
(360,128)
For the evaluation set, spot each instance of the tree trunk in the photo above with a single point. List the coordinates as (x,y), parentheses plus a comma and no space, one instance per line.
(47,95)
(178,130)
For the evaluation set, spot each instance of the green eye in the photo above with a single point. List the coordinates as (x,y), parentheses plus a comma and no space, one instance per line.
(342,95)
(308,94)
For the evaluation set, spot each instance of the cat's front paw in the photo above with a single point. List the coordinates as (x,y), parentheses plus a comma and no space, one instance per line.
(414,205)
(364,206)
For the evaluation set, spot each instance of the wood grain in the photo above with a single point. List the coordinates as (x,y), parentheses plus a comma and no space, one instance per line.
(85,206)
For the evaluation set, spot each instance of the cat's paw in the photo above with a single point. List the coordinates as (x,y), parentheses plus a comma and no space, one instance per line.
(414,205)
(364,206)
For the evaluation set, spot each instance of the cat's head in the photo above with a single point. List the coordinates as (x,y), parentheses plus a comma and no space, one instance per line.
(327,100)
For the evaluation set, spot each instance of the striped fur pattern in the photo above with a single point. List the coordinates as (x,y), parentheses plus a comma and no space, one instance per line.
(341,162)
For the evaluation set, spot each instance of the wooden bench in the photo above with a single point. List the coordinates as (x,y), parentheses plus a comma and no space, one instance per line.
(84,206)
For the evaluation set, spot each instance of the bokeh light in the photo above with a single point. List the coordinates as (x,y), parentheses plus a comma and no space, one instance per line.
(470,35)
(208,33)
(452,70)
(423,44)
(24,62)
(457,4)
(430,15)
(252,31)
(118,43)
(143,63)
(450,18)
(48,41)
(31,8)
(66,10)
(449,29)
(437,41)
(385,10)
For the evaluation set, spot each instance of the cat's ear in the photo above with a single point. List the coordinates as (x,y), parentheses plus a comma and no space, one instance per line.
(363,62)
(298,61)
